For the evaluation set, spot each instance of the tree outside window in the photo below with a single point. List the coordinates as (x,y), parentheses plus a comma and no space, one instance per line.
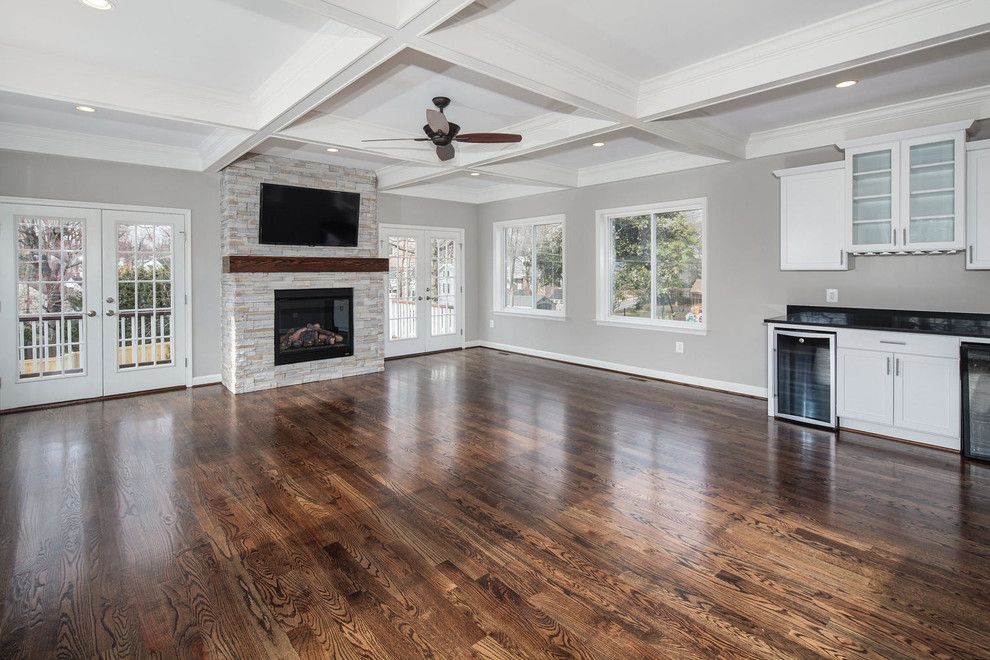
(532,266)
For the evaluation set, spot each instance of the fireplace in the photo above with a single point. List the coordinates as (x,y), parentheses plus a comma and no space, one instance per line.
(313,324)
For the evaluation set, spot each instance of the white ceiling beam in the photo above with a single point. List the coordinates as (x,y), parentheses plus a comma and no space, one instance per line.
(394,42)
(875,32)
(534,172)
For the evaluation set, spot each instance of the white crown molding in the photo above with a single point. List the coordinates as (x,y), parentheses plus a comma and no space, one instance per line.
(18,137)
(219,142)
(873,32)
(640,166)
(941,109)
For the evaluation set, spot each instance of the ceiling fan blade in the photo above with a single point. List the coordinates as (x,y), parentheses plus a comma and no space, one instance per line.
(397,139)
(436,121)
(446,152)
(488,138)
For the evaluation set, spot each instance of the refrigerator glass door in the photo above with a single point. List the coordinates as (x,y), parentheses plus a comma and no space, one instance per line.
(976,400)
(805,377)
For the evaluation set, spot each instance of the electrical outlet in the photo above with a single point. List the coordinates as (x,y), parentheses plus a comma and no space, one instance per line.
(491,323)
(831,295)
(678,347)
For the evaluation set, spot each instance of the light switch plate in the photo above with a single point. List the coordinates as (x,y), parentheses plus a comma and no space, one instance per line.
(831,295)
(491,323)
(678,346)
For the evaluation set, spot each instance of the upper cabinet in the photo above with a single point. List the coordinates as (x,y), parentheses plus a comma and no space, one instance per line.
(906,191)
(812,217)
(978,205)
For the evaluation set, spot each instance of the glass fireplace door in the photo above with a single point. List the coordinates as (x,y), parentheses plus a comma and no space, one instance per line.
(424,289)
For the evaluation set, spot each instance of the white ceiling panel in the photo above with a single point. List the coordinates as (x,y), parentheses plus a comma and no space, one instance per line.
(645,38)
(619,145)
(319,154)
(227,45)
(956,66)
(397,94)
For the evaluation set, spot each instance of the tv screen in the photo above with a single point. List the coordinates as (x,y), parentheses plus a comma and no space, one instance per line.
(291,215)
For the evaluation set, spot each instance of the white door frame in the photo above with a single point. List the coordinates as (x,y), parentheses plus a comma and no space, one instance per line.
(187,226)
(384,227)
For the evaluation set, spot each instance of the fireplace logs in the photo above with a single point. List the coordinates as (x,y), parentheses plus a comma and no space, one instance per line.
(309,336)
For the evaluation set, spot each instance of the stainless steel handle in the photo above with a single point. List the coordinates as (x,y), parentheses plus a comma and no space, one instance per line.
(893,234)
(970,254)
(905,241)
(899,343)
(897,366)
(419,298)
(91,313)
(110,300)
(842,257)
(110,312)
(888,365)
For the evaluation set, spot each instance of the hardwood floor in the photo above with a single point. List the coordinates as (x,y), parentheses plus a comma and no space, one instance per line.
(476,503)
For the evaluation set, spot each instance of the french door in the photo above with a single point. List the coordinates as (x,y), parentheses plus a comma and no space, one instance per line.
(91,303)
(424,303)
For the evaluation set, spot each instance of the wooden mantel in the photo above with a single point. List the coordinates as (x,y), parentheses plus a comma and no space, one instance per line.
(262,264)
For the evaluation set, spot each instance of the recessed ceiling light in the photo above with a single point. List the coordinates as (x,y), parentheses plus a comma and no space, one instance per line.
(85,108)
(846,83)
(598,144)
(102,5)
(475,173)
(333,150)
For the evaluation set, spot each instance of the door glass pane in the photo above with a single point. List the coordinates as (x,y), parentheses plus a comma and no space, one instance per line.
(550,267)
(519,267)
(144,296)
(401,287)
(872,201)
(976,392)
(631,266)
(804,377)
(871,233)
(443,287)
(50,297)
(933,195)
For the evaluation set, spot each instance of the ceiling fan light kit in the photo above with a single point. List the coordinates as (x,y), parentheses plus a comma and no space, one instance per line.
(442,132)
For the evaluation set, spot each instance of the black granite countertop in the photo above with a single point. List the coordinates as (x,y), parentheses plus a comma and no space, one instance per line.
(889,320)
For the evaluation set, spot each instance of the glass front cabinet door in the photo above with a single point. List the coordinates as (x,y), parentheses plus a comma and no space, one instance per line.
(906,192)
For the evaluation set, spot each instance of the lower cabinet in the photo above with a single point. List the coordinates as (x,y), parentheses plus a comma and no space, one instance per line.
(910,396)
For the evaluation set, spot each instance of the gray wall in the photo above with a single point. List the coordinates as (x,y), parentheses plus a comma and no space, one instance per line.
(402,209)
(743,280)
(80,180)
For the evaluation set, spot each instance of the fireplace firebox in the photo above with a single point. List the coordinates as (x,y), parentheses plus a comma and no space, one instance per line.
(313,324)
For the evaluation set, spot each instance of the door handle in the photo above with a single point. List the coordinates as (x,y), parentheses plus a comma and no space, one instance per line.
(897,367)
(970,254)
(888,365)
(110,300)
(91,313)
(110,312)
(419,298)
(904,242)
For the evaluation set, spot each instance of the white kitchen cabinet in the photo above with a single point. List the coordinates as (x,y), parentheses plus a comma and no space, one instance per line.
(978,205)
(906,191)
(812,217)
(926,394)
(865,383)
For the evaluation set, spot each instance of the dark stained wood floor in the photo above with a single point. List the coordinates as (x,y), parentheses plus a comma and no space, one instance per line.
(481,504)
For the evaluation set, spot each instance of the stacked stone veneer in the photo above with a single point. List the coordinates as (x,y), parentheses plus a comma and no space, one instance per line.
(248,341)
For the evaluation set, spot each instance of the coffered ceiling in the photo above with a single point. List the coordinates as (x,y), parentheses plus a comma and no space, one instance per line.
(196,84)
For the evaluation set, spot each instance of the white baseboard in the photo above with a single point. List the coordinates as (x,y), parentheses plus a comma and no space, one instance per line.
(721,385)
(210,379)
(474,343)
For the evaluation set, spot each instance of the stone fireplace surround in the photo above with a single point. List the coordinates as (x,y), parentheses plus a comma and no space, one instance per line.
(248,298)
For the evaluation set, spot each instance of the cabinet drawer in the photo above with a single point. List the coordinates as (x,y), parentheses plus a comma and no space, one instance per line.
(899,342)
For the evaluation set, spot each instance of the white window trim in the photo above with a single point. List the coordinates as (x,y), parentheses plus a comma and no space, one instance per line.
(498,288)
(603,263)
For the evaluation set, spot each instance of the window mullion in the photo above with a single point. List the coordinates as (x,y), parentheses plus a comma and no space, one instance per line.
(532,267)
(653,266)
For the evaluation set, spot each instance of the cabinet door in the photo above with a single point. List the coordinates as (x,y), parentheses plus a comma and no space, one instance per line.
(872,185)
(926,394)
(978,207)
(932,206)
(865,385)
(812,215)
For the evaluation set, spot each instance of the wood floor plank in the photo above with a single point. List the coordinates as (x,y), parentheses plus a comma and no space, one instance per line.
(477,504)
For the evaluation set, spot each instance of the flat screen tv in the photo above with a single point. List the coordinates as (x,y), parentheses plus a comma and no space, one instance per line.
(291,215)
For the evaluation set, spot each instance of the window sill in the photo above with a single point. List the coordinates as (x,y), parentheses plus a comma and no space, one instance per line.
(647,325)
(531,315)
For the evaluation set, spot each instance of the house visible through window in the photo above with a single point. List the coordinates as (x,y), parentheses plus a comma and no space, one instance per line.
(530,266)
(651,265)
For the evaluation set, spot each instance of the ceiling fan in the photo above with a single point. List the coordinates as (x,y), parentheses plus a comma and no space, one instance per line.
(443,133)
